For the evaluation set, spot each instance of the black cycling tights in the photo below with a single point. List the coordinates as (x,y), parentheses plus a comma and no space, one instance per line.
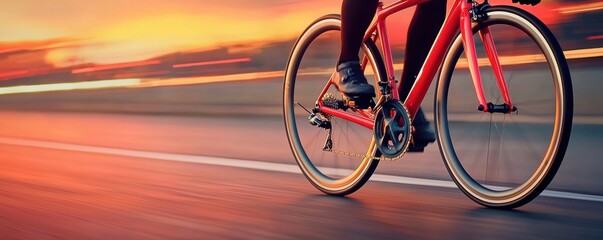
(423,29)
(356,15)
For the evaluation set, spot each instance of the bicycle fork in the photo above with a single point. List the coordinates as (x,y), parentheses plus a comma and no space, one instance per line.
(473,12)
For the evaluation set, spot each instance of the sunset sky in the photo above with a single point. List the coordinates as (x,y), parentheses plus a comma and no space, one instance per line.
(101,31)
(105,30)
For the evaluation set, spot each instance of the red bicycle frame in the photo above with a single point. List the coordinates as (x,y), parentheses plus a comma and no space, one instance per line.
(460,17)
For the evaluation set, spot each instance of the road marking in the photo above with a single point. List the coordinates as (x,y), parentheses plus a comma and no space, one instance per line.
(248,164)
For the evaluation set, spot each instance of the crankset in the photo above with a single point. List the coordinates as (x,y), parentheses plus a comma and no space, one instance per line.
(392,129)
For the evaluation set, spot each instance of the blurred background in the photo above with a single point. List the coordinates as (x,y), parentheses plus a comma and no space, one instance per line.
(204,78)
(142,51)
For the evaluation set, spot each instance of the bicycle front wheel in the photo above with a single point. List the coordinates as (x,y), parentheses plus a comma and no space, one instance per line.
(506,160)
(347,162)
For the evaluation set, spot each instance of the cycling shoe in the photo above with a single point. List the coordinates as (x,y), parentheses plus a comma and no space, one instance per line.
(351,82)
(423,134)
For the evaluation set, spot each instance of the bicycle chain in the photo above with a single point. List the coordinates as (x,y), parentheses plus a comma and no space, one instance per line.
(363,156)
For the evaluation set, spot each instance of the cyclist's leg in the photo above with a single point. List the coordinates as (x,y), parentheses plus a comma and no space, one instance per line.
(423,29)
(356,16)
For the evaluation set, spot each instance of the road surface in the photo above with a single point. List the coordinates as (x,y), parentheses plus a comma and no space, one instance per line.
(125,176)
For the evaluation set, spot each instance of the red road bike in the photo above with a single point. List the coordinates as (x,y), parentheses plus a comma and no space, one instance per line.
(502,145)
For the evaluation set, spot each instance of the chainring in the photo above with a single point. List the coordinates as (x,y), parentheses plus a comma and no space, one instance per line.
(392,129)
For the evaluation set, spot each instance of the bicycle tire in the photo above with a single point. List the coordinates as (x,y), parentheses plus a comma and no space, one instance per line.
(495,188)
(310,161)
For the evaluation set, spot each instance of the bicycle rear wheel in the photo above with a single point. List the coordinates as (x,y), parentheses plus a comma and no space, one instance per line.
(506,160)
(350,163)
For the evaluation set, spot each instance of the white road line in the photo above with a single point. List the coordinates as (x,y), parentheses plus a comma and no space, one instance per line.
(248,164)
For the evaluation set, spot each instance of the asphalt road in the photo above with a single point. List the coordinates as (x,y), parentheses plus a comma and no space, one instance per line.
(120,176)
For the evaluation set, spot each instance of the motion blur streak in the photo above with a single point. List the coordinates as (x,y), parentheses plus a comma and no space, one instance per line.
(12,74)
(589,7)
(595,37)
(195,64)
(209,79)
(70,86)
(584,53)
(114,66)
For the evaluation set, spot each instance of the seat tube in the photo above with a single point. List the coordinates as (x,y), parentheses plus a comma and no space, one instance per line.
(486,36)
(470,53)
(387,53)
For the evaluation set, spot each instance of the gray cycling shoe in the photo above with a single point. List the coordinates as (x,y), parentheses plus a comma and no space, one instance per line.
(349,80)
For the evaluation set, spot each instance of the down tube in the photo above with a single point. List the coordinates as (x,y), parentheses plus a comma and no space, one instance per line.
(434,60)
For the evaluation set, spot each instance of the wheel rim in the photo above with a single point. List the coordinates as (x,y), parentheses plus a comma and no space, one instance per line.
(331,177)
(531,185)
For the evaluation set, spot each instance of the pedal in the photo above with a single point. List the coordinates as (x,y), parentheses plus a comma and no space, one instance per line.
(359,102)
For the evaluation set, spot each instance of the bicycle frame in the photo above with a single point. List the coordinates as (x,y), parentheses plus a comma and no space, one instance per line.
(460,17)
